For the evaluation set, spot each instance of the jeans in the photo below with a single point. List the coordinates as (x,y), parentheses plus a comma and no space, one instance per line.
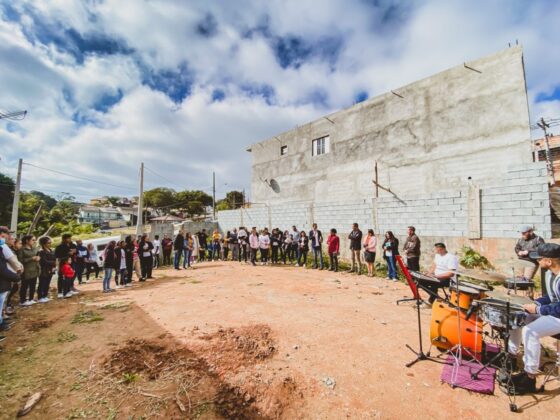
(242,253)
(177,258)
(302,255)
(27,284)
(166,257)
(356,257)
(44,284)
(156,261)
(215,251)
(67,284)
(187,258)
(107,278)
(318,255)
(80,271)
(235,252)
(254,256)
(123,275)
(391,268)
(264,255)
(274,256)
(333,263)
(3,297)
(146,266)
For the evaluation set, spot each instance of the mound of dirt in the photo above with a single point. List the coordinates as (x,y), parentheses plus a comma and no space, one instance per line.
(231,348)
(39,325)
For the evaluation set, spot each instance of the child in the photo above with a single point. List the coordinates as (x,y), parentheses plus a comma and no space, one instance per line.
(67,276)
(333,244)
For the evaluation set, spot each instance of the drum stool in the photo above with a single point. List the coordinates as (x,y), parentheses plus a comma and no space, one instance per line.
(552,370)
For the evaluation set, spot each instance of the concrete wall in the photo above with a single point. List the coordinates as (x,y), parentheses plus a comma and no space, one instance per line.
(456,124)
(519,197)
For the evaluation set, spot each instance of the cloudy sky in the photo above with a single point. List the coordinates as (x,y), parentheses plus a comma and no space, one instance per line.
(186,86)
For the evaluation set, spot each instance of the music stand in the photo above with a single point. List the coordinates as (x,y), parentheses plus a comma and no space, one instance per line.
(420,355)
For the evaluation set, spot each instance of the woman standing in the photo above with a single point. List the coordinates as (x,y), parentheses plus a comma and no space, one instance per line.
(27,255)
(254,245)
(146,258)
(109,260)
(196,247)
(47,262)
(91,262)
(136,260)
(333,245)
(303,249)
(216,245)
(188,250)
(264,245)
(390,251)
(287,247)
(370,246)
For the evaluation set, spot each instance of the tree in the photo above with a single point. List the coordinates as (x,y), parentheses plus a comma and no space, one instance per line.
(7,188)
(235,199)
(160,197)
(113,200)
(193,202)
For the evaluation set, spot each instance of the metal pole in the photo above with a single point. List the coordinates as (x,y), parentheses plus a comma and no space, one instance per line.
(15,205)
(549,164)
(139,226)
(213,195)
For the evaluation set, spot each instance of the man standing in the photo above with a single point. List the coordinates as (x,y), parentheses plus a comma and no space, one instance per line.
(234,245)
(316,240)
(178,246)
(7,278)
(203,243)
(254,245)
(157,251)
(444,268)
(412,250)
(242,237)
(62,252)
(528,243)
(81,255)
(355,238)
(295,243)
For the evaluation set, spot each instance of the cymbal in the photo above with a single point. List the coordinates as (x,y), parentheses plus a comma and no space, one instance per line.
(518,263)
(501,296)
(482,275)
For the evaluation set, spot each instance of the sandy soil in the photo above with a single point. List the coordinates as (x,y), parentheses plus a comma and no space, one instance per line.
(259,342)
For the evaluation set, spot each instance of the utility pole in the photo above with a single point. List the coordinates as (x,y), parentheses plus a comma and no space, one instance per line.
(542,124)
(139,225)
(214,195)
(15,205)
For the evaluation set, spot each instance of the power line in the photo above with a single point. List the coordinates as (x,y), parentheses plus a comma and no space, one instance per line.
(78,176)
(161,176)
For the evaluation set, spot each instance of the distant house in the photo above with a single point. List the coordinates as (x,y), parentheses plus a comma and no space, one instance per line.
(102,216)
(554,146)
(101,201)
(166,219)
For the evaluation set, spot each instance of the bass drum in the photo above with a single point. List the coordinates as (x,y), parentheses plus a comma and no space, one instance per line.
(444,330)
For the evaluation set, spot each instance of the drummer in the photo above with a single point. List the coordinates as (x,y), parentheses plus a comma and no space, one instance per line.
(444,267)
(526,244)
(543,319)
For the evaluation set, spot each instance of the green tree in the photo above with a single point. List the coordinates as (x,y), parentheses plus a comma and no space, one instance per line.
(193,202)
(7,187)
(159,197)
(234,199)
(113,200)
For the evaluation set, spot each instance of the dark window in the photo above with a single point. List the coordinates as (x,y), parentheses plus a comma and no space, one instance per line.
(283,150)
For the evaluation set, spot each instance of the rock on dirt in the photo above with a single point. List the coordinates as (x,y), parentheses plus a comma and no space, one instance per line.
(329,382)
(29,404)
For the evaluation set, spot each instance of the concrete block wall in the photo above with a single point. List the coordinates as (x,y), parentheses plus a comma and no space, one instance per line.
(520,197)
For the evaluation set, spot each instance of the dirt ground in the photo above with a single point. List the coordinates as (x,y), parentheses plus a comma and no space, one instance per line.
(232,341)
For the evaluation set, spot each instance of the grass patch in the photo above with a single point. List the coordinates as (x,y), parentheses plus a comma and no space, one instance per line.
(123,306)
(86,317)
(129,378)
(195,281)
(66,337)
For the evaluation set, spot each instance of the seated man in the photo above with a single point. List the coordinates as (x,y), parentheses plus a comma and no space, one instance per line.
(543,319)
(526,244)
(444,267)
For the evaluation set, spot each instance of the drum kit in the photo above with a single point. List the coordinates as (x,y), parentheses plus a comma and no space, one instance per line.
(458,321)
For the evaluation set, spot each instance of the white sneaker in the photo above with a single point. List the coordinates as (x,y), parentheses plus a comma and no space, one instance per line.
(60,296)
(128,285)
(44,300)
(68,295)
(26,303)
(75,292)
(32,302)
(297,265)
(118,287)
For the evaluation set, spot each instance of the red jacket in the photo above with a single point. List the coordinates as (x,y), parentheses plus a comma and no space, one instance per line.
(333,243)
(67,271)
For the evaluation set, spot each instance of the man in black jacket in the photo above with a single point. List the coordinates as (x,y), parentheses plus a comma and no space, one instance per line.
(316,240)
(178,246)
(146,255)
(61,252)
(355,238)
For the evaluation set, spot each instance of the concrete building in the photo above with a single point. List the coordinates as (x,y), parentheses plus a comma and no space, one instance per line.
(101,216)
(450,154)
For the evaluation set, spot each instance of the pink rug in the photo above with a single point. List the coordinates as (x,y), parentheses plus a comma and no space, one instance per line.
(460,376)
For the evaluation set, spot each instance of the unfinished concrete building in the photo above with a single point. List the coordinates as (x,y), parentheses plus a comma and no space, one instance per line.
(450,154)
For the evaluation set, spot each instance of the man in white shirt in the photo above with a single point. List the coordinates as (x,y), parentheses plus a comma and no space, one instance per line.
(157,250)
(444,269)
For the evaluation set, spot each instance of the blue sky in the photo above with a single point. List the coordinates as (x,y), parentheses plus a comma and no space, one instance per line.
(187,86)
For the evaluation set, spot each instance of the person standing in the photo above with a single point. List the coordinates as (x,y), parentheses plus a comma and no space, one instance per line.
(62,252)
(333,247)
(129,251)
(254,245)
(264,246)
(303,247)
(275,245)
(109,259)
(28,256)
(9,250)
(47,263)
(370,246)
(68,275)
(243,243)
(287,247)
(225,245)
(216,237)
(411,250)
(178,246)
(7,278)
(91,262)
(157,251)
(355,238)
(145,248)
(167,248)
(136,260)
(390,252)
(195,251)
(80,260)
(295,244)
(203,242)
(234,245)
(120,265)
(316,240)
(188,251)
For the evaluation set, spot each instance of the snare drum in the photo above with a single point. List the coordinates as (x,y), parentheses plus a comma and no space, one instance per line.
(520,283)
(494,312)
